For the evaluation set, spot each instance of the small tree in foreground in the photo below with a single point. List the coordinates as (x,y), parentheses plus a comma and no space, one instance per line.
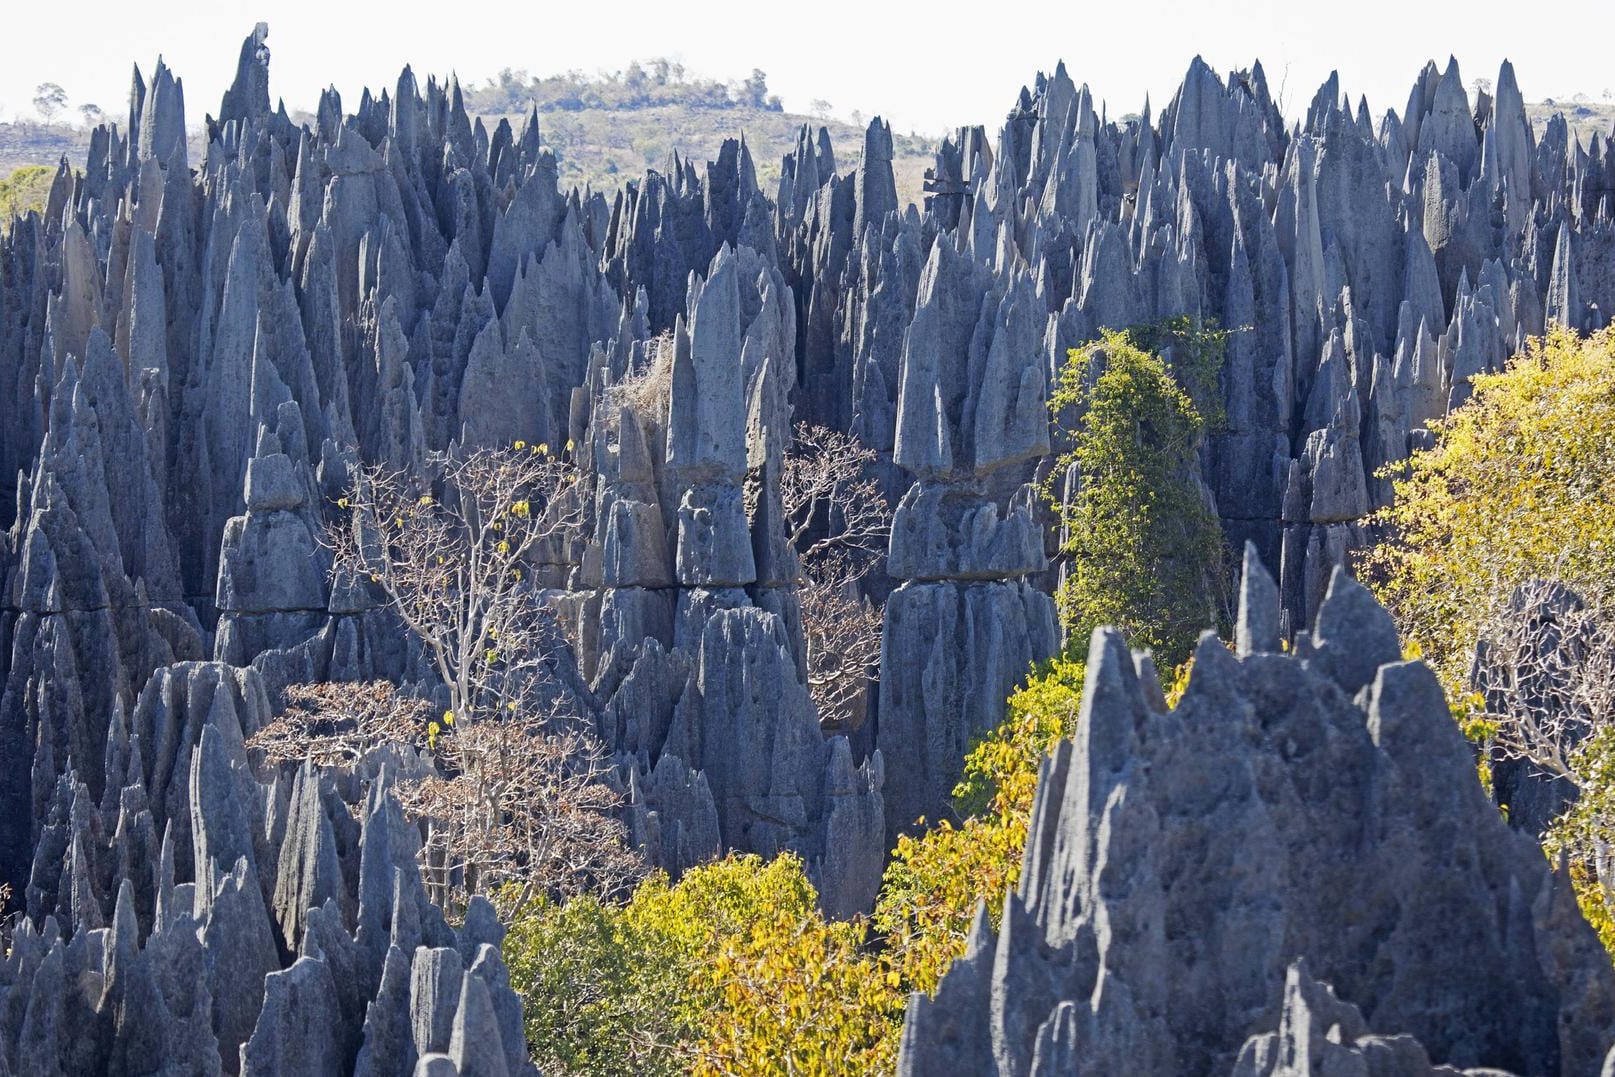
(733,969)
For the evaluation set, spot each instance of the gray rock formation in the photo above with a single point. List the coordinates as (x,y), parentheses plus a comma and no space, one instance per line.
(1318,806)
(965,625)
(276,956)
(195,353)
(696,643)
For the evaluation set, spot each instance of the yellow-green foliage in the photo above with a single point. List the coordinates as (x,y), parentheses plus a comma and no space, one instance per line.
(799,995)
(589,974)
(1520,485)
(24,190)
(1144,550)
(732,970)
(935,881)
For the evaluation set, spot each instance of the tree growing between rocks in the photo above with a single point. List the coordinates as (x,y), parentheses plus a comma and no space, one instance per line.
(514,789)
(456,560)
(1142,545)
(1497,566)
(838,521)
(512,804)
(937,881)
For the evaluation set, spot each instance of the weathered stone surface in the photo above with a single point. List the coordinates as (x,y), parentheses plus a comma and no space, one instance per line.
(945,531)
(950,654)
(1318,1033)
(714,543)
(297,1031)
(1320,806)
(194,355)
(751,729)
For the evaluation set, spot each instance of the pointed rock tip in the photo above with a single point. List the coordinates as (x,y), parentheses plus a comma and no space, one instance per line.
(1353,634)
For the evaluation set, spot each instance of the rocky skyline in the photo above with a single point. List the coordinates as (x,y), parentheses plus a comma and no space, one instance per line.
(198,354)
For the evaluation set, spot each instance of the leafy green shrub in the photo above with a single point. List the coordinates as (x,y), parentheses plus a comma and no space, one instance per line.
(598,990)
(1585,835)
(1144,549)
(733,969)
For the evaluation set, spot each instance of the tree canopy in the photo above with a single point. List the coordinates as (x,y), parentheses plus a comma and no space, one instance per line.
(1143,547)
(1501,538)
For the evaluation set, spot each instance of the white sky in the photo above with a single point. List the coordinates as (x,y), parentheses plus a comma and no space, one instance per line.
(925,66)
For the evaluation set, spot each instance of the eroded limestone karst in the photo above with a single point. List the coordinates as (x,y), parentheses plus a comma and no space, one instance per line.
(195,355)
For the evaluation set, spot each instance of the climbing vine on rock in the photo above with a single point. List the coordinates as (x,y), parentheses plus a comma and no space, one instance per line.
(1142,544)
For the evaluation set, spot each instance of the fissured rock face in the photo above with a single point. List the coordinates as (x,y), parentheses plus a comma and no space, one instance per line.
(194,354)
(1194,877)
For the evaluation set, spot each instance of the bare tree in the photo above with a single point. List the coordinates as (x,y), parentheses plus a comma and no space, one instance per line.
(339,725)
(838,521)
(833,504)
(517,790)
(843,629)
(505,800)
(1544,681)
(457,564)
(517,803)
(1545,677)
(49,99)
(647,390)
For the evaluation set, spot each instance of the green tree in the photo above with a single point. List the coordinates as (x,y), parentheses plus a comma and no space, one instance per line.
(600,992)
(1519,486)
(1144,550)
(49,99)
(731,970)
(25,190)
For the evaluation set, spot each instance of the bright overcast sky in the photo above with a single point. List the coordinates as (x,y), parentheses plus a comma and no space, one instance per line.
(926,66)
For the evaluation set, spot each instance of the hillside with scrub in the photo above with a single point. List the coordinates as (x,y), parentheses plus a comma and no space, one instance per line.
(1144,608)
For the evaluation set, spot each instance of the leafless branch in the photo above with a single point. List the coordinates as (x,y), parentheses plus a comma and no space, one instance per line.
(505,799)
(1545,676)
(457,563)
(516,803)
(832,501)
(646,392)
(337,725)
(843,631)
